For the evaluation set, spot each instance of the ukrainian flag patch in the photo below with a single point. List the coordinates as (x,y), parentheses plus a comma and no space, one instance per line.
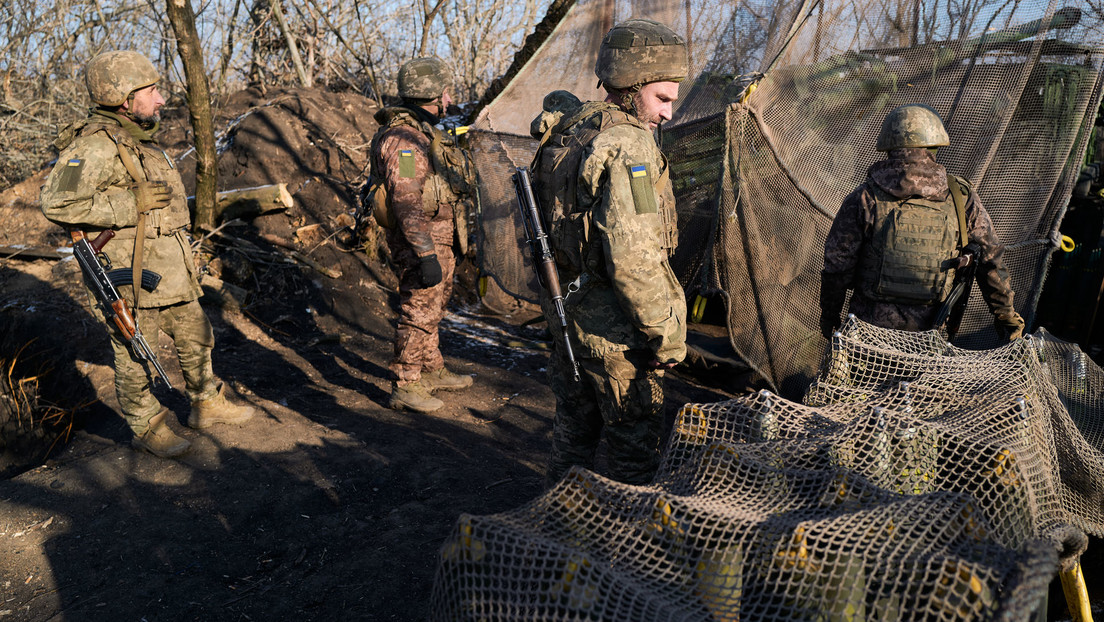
(70,175)
(406,163)
(643,194)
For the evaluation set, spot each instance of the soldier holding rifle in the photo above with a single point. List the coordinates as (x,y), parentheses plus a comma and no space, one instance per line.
(111,176)
(602,185)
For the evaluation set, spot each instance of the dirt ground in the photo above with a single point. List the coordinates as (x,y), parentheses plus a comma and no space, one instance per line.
(326,505)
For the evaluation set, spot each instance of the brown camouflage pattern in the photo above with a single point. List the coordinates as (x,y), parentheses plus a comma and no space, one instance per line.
(112,76)
(638,51)
(417,234)
(98,199)
(625,311)
(415,228)
(905,173)
(421,309)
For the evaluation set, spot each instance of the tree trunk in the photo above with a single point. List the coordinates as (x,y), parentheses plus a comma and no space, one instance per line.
(182,19)
(304,77)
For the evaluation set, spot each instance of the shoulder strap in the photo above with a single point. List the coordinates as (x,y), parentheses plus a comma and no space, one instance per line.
(140,226)
(959,195)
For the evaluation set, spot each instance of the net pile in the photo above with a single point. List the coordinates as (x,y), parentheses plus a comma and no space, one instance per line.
(1052,382)
(759,179)
(921,481)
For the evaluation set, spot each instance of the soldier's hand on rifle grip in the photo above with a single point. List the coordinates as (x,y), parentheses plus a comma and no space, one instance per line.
(151,195)
(430,269)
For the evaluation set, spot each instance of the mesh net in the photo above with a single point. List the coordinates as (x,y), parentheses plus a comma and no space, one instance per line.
(919,481)
(759,179)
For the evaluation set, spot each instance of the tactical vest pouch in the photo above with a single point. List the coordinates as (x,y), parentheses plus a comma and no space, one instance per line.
(376,201)
(912,241)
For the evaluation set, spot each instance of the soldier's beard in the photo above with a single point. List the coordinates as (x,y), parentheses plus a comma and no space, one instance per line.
(639,112)
(146,121)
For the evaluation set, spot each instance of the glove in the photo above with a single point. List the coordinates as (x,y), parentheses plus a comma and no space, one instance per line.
(1009,325)
(151,195)
(833,293)
(431,270)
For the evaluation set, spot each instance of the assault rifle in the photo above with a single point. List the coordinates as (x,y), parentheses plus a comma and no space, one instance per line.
(954,306)
(541,251)
(113,304)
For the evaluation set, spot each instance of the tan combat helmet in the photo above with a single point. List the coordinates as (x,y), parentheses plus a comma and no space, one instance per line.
(638,51)
(112,76)
(424,78)
(912,125)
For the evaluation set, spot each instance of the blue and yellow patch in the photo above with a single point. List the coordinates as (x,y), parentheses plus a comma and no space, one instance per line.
(406,163)
(643,193)
(70,174)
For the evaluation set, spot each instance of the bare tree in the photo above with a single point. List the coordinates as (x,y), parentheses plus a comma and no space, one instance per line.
(199,109)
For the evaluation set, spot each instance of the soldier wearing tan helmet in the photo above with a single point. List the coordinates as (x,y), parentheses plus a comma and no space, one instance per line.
(110,174)
(603,187)
(901,280)
(422,184)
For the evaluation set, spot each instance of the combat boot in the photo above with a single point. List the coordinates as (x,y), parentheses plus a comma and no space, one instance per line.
(217,409)
(413,396)
(160,440)
(445,380)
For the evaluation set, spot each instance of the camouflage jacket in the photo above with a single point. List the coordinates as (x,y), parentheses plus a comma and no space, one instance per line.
(88,190)
(427,178)
(626,296)
(905,173)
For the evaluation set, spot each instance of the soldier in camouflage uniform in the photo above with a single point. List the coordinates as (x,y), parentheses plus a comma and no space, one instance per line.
(602,184)
(900,281)
(425,183)
(110,174)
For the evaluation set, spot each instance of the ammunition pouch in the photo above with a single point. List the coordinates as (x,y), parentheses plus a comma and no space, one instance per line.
(907,258)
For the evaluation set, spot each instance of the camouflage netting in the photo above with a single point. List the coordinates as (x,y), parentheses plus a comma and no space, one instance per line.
(759,179)
(921,482)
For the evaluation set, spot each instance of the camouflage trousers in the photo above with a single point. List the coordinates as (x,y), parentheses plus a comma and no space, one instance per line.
(898,316)
(619,395)
(192,335)
(421,309)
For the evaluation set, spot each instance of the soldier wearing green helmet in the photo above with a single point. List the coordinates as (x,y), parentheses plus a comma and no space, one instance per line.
(422,183)
(900,279)
(603,187)
(110,174)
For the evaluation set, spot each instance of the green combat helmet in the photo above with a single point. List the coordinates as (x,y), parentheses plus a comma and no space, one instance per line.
(912,125)
(424,78)
(112,76)
(638,51)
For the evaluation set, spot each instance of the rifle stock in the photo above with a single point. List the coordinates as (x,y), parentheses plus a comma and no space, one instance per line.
(541,251)
(954,307)
(113,304)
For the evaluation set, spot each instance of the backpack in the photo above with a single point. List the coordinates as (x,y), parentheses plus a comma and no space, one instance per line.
(556,179)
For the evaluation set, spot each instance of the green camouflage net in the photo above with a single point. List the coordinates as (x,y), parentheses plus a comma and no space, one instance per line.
(758,179)
(920,482)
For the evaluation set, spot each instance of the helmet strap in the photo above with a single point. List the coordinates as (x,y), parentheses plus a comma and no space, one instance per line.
(626,98)
(423,103)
